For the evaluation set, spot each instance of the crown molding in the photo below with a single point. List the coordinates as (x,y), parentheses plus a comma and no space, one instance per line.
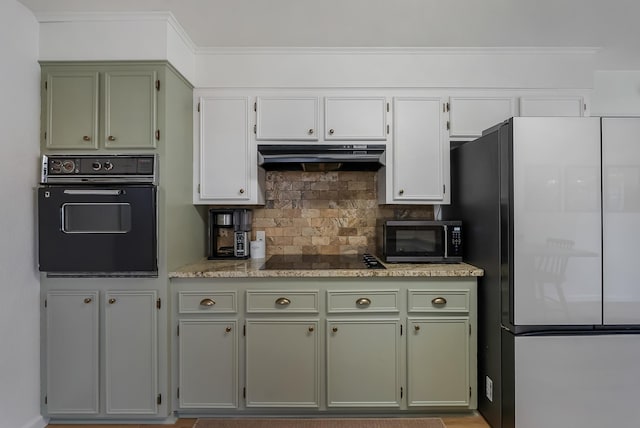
(397,51)
(163,16)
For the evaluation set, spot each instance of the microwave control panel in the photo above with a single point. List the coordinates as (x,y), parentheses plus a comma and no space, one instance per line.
(456,241)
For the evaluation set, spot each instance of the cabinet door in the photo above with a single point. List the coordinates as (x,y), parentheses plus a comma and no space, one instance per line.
(72,361)
(282,363)
(71,110)
(469,116)
(420,156)
(130,109)
(131,352)
(225,150)
(551,106)
(207,362)
(355,118)
(363,363)
(438,361)
(290,118)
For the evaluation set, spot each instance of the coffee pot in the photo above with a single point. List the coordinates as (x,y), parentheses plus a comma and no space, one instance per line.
(229,233)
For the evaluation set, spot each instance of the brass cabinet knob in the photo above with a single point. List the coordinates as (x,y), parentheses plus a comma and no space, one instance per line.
(207,302)
(416,327)
(111,138)
(311,329)
(86,138)
(334,329)
(401,192)
(88,300)
(283,301)
(363,301)
(439,301)
(112,301)
(310,132)
(228,329)
(241,191)
(331,131)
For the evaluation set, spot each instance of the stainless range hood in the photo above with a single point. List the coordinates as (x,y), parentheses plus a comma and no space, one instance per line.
(321,157)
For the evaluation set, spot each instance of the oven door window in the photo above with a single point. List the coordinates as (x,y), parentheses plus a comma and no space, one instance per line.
(96,218)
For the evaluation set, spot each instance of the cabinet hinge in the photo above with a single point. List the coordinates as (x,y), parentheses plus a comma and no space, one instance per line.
(158,303)
(244,330)
(244,392)
(447,106)
(178,331)
(158,85)
(46,399)
(469,329)
(469,391)
(401,392)
(255,106)
(45,85)
(45,303)
(448,125)
(45,135)
(387,107)
(158,134)
(198,107)
(198,189)
(387,129)
(255,129)
(178,392)
(401,329)
(444,188)
(585,107)
(159,400)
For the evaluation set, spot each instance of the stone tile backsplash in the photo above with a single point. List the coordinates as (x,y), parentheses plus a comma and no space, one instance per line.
(325,212)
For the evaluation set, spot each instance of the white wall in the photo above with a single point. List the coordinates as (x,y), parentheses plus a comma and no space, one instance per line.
(19,280)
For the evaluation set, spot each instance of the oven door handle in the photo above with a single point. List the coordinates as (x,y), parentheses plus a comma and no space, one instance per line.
(96,192)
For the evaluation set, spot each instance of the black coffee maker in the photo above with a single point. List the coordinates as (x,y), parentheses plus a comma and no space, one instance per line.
(229,234)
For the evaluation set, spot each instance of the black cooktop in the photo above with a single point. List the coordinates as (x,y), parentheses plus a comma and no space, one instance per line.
(323,261)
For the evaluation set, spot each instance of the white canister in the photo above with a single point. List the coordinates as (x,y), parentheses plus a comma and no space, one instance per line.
(257,249)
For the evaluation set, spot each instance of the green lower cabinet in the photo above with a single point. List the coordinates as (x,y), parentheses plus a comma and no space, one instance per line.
(363,363)
(282,363)
(208,364)
(438,362)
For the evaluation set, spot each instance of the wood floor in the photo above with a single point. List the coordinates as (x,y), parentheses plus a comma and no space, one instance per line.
(462,421)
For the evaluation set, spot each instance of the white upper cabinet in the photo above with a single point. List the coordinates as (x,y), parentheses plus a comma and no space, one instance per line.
(418,171)
(355,118)
(287,118)
(469,116)
(552,106)
(226,169)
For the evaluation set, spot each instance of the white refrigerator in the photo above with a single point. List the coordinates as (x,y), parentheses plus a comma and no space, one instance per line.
(551,212)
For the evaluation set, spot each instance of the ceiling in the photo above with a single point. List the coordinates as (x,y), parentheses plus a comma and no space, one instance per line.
(386,23)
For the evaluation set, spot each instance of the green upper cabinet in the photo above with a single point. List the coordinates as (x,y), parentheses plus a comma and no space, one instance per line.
(71,110)
(130,109)
(93,107)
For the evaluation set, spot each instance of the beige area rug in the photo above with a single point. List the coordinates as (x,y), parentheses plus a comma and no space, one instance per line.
(322,423)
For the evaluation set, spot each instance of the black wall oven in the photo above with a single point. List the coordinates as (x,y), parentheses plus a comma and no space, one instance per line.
(97,215)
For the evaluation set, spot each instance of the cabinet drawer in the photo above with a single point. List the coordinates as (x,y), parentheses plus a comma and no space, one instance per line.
(282,301)
(198,302)
(438,301)
(363,301)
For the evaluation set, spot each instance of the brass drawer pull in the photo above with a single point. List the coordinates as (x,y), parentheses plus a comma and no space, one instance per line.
(86,138)
(283,301)
(363,301)
(439,301)
(207,302)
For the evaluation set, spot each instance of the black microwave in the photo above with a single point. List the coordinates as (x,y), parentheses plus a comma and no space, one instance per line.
(422,241)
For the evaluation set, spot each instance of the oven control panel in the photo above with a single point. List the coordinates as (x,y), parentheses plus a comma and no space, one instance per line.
(83,168)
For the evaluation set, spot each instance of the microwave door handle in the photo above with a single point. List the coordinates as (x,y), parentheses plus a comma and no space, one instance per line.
(93,192)
(446,241)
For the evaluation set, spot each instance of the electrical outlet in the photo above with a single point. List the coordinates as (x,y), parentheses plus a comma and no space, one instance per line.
(488,388)
(260,235)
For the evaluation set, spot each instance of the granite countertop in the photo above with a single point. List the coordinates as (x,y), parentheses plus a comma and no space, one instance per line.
(253,268)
